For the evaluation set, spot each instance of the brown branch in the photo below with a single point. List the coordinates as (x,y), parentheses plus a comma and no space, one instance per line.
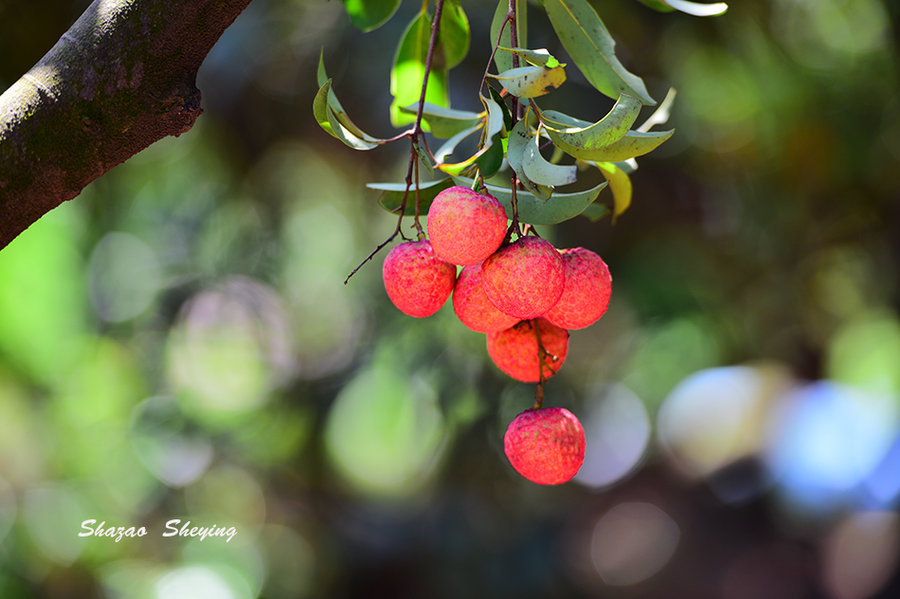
(121,78)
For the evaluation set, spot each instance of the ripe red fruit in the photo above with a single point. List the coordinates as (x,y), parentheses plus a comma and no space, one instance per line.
(515,350)
(525,278)
(546,446)
(586,294)
(472,306)
(465,226)
(417,281)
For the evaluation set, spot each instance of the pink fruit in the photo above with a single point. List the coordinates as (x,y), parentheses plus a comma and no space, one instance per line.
(465,226)
(515,350)
(417,281)
(586,294)
(546,446)
(525,278)
(472,306)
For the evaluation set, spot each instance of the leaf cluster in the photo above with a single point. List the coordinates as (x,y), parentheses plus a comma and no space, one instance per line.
(511,131)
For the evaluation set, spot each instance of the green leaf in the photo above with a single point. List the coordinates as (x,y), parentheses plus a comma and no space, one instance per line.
(453,39)
(530,81)
(391,197)
(445,122)
(635,143)
(519,139)
(542,172)
(532,210)
(492,126)
(346,135)
(450,145)
(503,60)
(408,72)
(491,161)
(595,211)
(572,135)
(619,184)
(588,42)
(338,124)
(507,115)
(538,58)
(696,9)
(370,14)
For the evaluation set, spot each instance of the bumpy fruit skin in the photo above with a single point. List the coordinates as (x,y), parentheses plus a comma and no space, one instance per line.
(545,446)
(525,278)
(465,226)
(586,293)
(515,350)
(472,306)
(416,280)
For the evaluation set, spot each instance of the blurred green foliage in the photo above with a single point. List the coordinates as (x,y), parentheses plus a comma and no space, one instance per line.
(177,342)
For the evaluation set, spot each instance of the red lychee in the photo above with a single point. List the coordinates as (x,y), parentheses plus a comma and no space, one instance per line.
(515,351)
(585,296)
(525,278)
(417,281)
(472,306)
(465,226)
(546,446)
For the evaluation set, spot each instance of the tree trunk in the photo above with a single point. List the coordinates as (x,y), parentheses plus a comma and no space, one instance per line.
(122,77)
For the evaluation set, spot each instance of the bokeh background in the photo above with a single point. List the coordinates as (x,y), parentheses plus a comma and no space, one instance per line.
(178,342)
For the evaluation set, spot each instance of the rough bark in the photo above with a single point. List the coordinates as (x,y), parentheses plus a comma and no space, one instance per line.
(122,77)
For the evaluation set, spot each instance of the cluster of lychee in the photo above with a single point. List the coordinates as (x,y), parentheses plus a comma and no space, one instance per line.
(525,295)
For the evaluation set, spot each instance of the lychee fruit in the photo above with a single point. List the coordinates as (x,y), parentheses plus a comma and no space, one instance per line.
(586,292)
(416,280)
(472,306)
(515,351)
(465,226)
(546,446)
(525,278)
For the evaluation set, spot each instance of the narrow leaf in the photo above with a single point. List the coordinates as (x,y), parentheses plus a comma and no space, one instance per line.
(595,211)
(492,126)
(588,42)
(619,184)
(491,161)
(445,122)
(519,139)
(346,135)
(571,135)
(635,143)
(391,196)
(337,123)
(530,81)
(561,207)
(408,72)
(538,58)
(696,9)
(370,14)
(450,145)
(504,60)
(453,39)
(542,172)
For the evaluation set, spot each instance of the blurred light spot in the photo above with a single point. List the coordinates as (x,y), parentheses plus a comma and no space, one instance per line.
(384,430)
(860,554)
(715,416)
(160,439)
(632,542)
(883,485)
(129,579)
(826,439)
(290,562)
(52,514)
(866,354)
(124,277)
(843,280)
(771,571)
(227,495)
(829,34)
(230,348)
(617,430)
(201,582)
(239,556)
(22,450)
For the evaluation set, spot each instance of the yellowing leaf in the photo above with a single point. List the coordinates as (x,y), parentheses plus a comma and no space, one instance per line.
(531,81)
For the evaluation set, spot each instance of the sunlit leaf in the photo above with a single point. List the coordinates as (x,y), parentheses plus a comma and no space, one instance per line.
(531,81)
(588,42)
(697,9)
(619,184)
(504,60)
(450,145)
(339,125)
(492,126)
(507,114)
(346,135)
(519,139)
(491,161)
(542,172)
(453,39)
(573,135)
(634,143)
(391,197)
(538,58)
(559,208)
(445,122)
(408,72)
(370,14)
